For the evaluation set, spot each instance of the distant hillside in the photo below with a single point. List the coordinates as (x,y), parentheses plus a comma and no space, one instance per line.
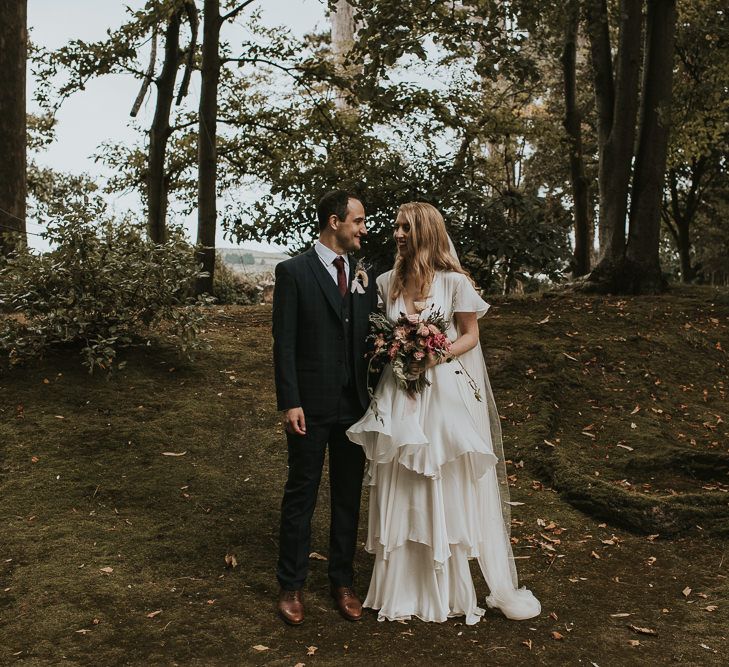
(251,261)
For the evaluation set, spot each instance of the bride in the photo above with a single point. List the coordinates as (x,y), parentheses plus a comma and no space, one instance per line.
(436,469)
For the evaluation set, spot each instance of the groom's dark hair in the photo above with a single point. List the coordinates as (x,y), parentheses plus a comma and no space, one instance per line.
(333,203)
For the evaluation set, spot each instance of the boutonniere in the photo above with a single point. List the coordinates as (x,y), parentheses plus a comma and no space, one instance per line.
(361,279)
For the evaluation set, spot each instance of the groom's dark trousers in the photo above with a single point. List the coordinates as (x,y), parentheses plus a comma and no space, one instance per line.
(320,366)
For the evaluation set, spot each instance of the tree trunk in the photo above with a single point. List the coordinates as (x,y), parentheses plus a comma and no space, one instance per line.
(617,104)
(650,163)
(159,133)
(342,30)
(573,127)
(13,179)
(683,242)
(207,151)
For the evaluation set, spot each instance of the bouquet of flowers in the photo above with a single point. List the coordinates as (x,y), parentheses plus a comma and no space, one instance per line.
(406,341)
(410,339)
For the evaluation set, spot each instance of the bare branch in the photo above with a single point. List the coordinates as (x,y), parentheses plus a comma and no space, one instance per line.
(234,12)
(192,15)
(147,77)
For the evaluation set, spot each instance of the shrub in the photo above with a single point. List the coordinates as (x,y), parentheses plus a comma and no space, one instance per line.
(102,286)
(241,289)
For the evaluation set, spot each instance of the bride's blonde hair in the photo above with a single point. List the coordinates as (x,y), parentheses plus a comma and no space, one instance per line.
(428,249)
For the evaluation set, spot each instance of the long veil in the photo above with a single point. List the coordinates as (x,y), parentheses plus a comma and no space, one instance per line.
(487,417)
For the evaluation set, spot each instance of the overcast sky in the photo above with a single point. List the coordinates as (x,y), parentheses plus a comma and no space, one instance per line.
(101,112)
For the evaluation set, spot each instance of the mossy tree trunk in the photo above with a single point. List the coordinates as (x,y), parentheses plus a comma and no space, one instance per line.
(573,127)
(13,179)
(159,133)
(207,145)
(631,266)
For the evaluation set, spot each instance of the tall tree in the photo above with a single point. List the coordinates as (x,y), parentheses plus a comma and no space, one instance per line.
(619,94)
(13,179)
(83,61)
(698,148)
(207,210)
(157,180)
(573,127)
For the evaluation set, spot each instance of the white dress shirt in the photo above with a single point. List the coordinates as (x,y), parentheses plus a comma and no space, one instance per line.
(327,257)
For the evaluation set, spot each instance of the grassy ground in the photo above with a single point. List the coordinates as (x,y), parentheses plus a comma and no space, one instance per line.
(112,552)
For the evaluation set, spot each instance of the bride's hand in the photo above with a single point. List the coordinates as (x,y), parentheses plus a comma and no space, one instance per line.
(416,368)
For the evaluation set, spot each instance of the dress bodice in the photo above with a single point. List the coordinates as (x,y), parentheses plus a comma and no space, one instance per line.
(450,293)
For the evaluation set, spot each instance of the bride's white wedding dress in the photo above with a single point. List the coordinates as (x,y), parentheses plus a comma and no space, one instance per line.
(438,487)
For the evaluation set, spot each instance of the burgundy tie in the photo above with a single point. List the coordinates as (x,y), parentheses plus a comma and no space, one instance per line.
(341,276)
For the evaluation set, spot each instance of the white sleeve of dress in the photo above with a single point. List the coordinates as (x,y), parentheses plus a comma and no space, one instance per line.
(383,283)
(466,299)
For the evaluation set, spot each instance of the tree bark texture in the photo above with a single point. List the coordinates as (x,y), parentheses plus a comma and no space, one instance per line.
(342,37)
(650,161)
(207,140)
(159,133)
(617,103)
(13,179)
(679,214)
(573,127)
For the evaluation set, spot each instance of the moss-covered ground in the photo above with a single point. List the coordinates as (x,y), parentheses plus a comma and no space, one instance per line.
(120,499)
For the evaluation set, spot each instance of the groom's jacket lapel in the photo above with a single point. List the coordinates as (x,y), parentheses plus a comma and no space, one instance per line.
(331,291)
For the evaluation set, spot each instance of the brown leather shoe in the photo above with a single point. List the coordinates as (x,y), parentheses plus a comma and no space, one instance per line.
(291,607)
(348,603)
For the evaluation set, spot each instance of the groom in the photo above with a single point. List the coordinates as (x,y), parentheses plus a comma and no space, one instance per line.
(321,304)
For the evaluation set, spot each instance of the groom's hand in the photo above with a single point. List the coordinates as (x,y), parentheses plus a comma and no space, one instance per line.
(294,421)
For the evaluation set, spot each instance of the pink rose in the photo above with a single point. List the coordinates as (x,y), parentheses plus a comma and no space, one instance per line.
(413,319)
(419,355)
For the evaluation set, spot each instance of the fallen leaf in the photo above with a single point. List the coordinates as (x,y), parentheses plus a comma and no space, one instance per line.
(311,650)
(557,635)
(686,591)
(231,560)
(106,570)
(317,556)
(553,615)
(711,607)
(630,449)
(621,614)
(34,459)
(83,631)
(633,642)
(152,614)
(642,631)
(595,555)
(544,321)
(528,643)
(513,502)
(174,453)
(635,410)
(651,560)
(260,647)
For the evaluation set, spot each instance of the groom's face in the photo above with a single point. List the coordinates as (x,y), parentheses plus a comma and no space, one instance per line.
(349,232)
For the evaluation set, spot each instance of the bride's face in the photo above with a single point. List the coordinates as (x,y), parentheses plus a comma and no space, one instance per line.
(402,231)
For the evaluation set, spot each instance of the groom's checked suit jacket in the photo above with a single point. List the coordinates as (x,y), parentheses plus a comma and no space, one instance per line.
(319,337)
